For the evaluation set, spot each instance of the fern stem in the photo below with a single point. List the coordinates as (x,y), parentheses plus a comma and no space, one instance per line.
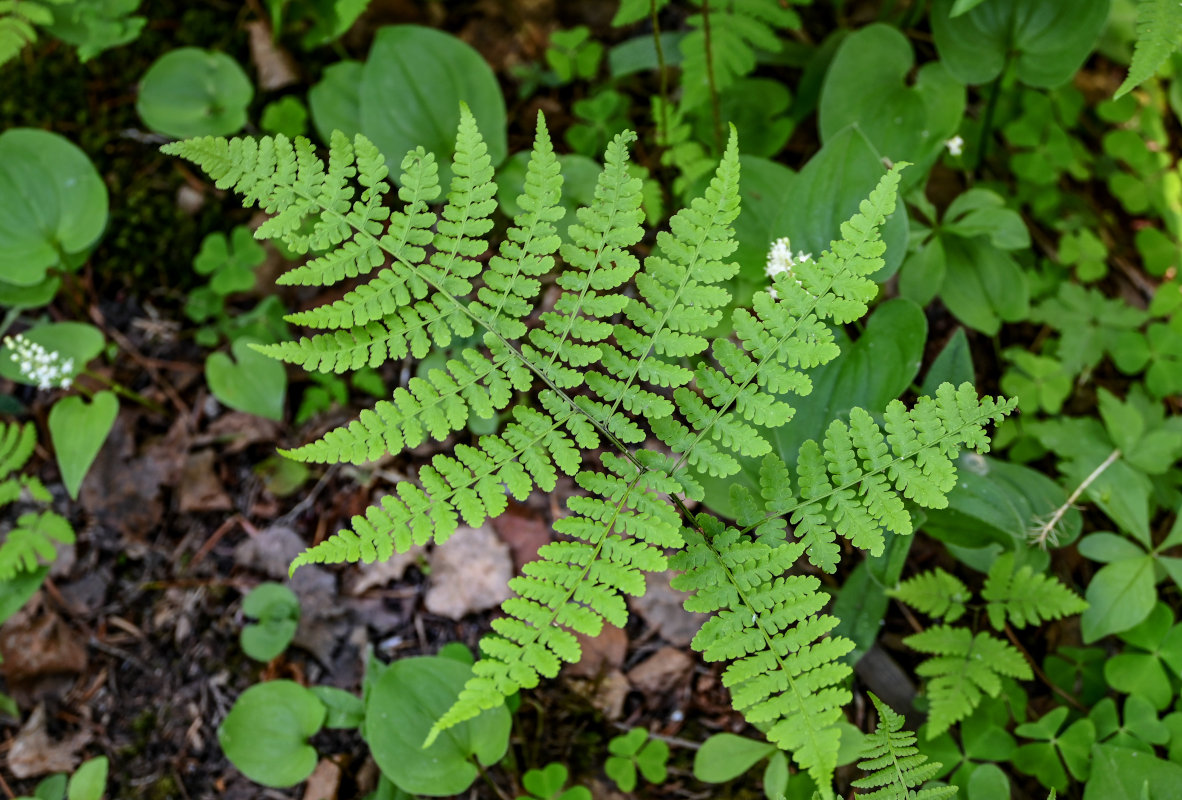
(715,110)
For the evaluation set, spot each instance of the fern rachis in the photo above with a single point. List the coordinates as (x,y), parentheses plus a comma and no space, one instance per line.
(615,369)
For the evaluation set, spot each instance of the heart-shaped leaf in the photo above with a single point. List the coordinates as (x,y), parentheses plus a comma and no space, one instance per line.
(52,202)
(250,382)
(265,734)
(194,92)
(78,430)
(398,115)
(72,341)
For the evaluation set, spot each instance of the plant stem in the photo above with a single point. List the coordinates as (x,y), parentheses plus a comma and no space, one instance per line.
(130,394)
(715,110)
(10,316)
(1045,531)
(662,71)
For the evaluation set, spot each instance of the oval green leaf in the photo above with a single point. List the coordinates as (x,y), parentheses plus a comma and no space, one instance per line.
(411,88)
(52,204)
(725,756)
(265,734)
(250,382)
(401,708)
(335,102)
(71,340)
(194,92)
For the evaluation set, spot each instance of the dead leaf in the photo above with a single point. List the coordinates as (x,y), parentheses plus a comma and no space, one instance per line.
(121,492)
(323,782)
(524,531)
(469,572)
(322,617)
(235,431)
(38,645)
(661,608)
(33,753)
(661,671)
(600,653)
(271,551)
(201,489)
(383,573)
(274,65)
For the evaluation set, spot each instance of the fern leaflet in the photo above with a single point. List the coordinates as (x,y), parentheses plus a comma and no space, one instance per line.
(895,764)
(935,593)
(1024,597)
(1159,33)
(19,20)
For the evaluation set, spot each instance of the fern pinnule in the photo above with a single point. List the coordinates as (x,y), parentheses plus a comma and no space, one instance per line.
(897,768)
(935,593)
(1159,33)
(35,538)
(1024,597)
(16,446)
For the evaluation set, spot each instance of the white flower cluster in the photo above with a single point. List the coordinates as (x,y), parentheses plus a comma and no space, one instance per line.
(781,260)
(43,367)
(955,145)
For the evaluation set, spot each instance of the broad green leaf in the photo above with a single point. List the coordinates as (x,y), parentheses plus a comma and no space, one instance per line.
(52,203)
(193,92)
(828,191)
(401,708)
(765,187)
(335,102)
(868,85)
(34,296)
(265,734)
(987,783)
(983,285)
(345,709)
(16,591)
(412,85)
(953,365)
(1120,595)
(251,382)
(78,430)
(1047,40)
(1119,773)
(725,756)
(75,341)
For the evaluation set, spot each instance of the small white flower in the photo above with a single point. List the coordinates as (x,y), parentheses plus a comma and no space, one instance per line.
(955,145)
(780,260)
(44,368)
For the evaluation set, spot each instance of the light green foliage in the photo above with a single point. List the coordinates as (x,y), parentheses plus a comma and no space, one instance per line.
(963,670)
(738,28)
(1023,597)
(248,381)
(320,21)
(266,733)
(1143,670)
(935,593)
(287,115)
(78,428)
(1056,745)
(548,783)
(1159,33)
(896,767)
(36,535)
(277,610)
(635,752)
(573,54)
(96,25)
(229,263)
(194,92)
(19,20)
(611,368)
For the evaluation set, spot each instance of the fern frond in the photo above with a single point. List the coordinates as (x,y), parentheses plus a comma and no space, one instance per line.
(935,593)
(35,537)
(19,20)
(784,336)
(895,764)
(738,29)
(786,671)
(16,446)
(964,668)
(1026,597)
(1159,33)
(616,535)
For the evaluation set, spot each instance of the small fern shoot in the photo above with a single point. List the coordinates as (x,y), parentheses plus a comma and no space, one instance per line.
(897,768)
(1023,597)
(623,357)
(1159,34)
(36,534)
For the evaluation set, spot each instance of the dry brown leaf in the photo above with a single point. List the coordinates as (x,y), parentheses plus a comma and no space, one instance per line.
(201,489)
(383,573)
(33,754)
(600,653)
(661,607)
(37,645)
(661,671)
(469,572)
(274,65)
(323,782)
(524,531)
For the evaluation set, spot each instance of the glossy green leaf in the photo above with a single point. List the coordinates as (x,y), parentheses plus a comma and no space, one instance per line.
(725,756)
(335,102)
(78,429)
(52,203)
(1047,40)
(412,86)
(250,382)
(89,781)
(265,734)
(401,708)
(194,92)
(983,285)
(1120,595)
(1119,773)
(953,365)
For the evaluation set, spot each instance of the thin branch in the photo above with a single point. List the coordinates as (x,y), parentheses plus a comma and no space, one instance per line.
(1046,532)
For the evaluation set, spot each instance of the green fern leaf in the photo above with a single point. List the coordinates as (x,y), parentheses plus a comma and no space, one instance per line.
(935,593)
(786,671)
(19,20)
(16,446)
(964,669)
(895,764)
(1159,33)
(35,538)
(1025,597)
